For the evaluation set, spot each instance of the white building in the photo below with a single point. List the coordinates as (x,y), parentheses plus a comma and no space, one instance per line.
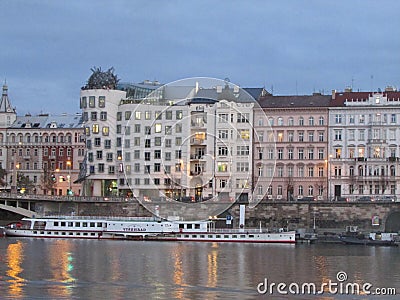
(364,139)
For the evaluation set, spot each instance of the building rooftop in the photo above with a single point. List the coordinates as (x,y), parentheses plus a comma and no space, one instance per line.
(43,121)
(315,100)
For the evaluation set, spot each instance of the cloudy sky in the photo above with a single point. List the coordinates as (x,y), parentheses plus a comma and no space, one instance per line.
(47,48)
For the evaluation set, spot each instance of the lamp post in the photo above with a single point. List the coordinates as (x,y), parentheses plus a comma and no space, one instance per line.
(329,177)
(69,165)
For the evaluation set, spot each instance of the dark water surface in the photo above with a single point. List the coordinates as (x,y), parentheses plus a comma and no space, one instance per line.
(85,269)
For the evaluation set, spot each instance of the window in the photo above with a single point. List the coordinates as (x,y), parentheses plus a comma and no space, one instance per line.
(128,115)
(290,154)
(338,152)
(168,115)
(103,116)
(168,130)
(351,119)
(138,115)
(311,153)
(290,136)
(83,102)
(136,128)
(300,153)
(157,167)
(311,121)
(243,118)
(351,134)
(179,115)
(147,115)
(310,190)
(157,154)
(280,153)
(178,128)
(361,135)
(338,119)
(279,171)
(338,135)
(147,143)
(393,118)
(95,128)
(320,136)
(99,154)
(97,142)
(320,153)
(301,190)
(301,121)
(93,116)
(223,118)
(91,101)
(157,141)
(242,150)
(242,166)
(361,119)
(222,166)
(321,121)
(105,130)
(223,151)
(244,134)
(311,136)
(300,171)
(301,136)
(320,171)
(168,143)
(280,121)
(147,156)
(178,141)
(102,101)
(290,121)
(157,128)
(310,171)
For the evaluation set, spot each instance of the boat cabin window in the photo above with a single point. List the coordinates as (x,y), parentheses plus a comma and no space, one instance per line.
(62,223)
(194,236)
(181,226)
(84,224)
(202,235)
(55,223)
(189,226)
(210,236)
(234,236)
(217,236)
(70,224)
(99,224)
(197,226)
(77,224)
(251,235)
(92,224)
(186,235)
(242,236)
(226,236)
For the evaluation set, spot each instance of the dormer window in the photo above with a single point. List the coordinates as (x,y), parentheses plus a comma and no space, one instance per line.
(377,100)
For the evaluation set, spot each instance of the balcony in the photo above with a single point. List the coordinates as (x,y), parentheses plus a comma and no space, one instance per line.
(196,156)
(196,141)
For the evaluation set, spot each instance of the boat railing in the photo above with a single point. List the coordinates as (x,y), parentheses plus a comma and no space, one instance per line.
(245,230)
(106,218)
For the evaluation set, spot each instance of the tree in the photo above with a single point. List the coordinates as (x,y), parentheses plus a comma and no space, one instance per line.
(24,183)
(3,174)
(48,180)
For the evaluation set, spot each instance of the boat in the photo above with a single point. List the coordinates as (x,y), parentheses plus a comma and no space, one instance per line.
(374,239)
(140,229)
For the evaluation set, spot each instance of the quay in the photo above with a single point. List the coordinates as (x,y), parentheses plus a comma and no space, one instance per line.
(322,216)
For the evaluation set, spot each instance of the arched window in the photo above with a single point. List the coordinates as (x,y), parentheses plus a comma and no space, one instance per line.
(321,120)
(280,121)
(311,121)
(301,121)
(301,190)
(392,171)
(310,190)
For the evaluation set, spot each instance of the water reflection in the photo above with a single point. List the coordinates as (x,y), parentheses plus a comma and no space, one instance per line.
(14,262)
(61,266)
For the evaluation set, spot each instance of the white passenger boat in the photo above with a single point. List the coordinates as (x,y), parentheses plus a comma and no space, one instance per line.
(140,229)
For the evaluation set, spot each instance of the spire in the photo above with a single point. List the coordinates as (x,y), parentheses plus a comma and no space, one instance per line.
(5,105)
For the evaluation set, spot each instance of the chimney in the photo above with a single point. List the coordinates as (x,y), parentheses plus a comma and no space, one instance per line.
(333,94)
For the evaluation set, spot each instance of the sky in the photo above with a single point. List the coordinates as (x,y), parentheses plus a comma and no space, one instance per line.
(290,47)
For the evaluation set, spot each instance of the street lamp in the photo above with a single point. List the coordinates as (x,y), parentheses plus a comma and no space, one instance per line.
(69,165)
(329,177)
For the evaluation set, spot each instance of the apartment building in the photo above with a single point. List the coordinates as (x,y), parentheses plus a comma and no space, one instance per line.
(292,146)
(364,141)
(41,154)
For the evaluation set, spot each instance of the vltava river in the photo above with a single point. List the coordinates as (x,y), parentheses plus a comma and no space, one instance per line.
(85,269)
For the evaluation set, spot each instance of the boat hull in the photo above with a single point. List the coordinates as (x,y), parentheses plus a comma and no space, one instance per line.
(366,242)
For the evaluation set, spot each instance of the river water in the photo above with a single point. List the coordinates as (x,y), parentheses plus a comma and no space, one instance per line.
(104,269)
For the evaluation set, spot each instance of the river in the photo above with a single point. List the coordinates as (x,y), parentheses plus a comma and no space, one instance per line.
(106,269)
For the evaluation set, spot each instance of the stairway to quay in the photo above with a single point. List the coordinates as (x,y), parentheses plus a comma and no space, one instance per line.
(324,216)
